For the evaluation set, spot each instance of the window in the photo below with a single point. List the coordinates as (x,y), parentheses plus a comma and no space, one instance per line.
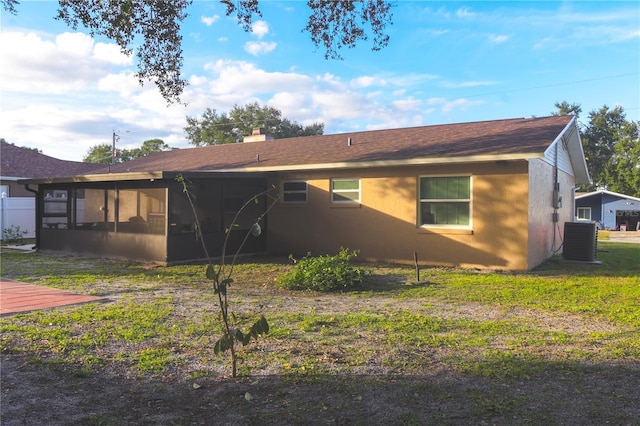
(584,213)
(294,192)
(345,190)
(140,210)
(239,203)
(55,213)
(445,201)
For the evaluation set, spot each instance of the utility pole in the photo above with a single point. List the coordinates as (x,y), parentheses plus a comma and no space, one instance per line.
(113,150)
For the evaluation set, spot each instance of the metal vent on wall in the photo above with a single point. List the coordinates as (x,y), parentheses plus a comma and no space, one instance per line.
(580,241)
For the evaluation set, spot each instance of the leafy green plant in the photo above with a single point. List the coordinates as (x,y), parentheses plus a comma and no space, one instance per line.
(220,276)
(13,234)
(323,273)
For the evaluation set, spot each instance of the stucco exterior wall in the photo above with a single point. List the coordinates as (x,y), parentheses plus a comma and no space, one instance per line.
(545,235)
(384,225)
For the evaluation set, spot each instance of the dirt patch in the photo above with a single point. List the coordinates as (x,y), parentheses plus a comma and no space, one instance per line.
(594,395)
(44,388)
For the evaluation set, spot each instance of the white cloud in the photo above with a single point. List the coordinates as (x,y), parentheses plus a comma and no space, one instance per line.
(111,53)
(108,96)
(69,63)
(498,39)
(256,48)
(125,84)
(465,12)
(260,29)
(466,84)
(209,20)
(367,81)
(408,104)
(447,106)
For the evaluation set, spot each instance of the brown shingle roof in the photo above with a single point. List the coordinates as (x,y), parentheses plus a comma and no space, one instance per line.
(26,163)
(486,138)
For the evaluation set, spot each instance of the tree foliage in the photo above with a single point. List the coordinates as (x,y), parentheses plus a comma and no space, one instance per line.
(103,153)
(156,22)
(611,146)
(151,28)
(565,108)
(337,24)
(99,154)
(148,147)
(214,128)
(622,174)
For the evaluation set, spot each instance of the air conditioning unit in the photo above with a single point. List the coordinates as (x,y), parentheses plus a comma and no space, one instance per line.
(580,241)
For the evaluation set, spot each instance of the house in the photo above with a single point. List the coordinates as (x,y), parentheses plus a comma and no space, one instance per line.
(17,207)
(489,194)
(609,210)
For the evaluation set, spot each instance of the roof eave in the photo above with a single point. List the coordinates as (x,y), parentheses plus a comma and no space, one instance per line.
(576,153)
(96,178)
(603,191)
(388,163)
(485,158)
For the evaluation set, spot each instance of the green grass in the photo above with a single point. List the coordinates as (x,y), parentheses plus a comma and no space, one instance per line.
(149,329)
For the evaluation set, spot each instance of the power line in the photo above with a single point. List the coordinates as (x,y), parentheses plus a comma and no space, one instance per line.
(553,85)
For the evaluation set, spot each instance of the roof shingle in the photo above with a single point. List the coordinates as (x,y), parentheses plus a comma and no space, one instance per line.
(26,163)
(496,137)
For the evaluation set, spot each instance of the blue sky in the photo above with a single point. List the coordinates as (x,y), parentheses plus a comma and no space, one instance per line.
(63,92)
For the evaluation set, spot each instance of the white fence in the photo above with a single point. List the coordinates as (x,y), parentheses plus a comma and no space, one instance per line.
(18,211)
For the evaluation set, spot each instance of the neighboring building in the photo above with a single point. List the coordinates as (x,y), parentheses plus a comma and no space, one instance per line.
(609,210)
(17,208)
(489,194)
(23,163)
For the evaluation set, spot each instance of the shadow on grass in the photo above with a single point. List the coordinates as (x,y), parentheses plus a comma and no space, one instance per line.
(560,393)
(614,260)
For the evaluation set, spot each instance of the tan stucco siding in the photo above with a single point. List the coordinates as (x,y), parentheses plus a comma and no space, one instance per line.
(383,226)
(545,235)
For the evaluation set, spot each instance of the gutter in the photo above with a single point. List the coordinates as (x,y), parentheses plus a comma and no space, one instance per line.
(387,163)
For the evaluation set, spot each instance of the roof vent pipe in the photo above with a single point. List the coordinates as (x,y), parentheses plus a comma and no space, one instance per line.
(349,142)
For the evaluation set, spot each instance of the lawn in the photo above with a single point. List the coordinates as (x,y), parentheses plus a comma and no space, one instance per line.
(560,345)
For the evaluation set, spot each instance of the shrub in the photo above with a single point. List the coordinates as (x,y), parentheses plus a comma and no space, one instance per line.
(323,273)
(13,234)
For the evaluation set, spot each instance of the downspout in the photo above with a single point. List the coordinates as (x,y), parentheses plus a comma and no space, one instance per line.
(38,214)
(556,194)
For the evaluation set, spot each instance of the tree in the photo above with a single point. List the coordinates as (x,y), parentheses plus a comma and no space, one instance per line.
(148,147)
(103,153)
(611,146)
(623,171)
(599,139)
(564,108)
(215,129)
(332,25)
(221,276)
(99,154)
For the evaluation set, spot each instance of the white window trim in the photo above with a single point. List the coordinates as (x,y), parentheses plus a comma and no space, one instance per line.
(437,226)
(358,191)
(586,209)
(306,192)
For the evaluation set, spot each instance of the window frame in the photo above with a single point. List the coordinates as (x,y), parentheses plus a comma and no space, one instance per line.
(585,209)
(420,202)
(345,200)
(286,192)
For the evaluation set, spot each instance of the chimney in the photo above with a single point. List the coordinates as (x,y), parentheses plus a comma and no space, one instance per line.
(259,134)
